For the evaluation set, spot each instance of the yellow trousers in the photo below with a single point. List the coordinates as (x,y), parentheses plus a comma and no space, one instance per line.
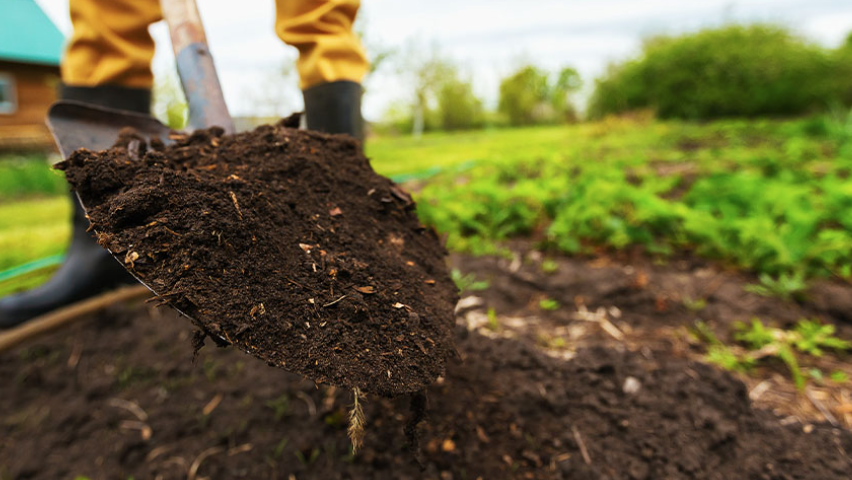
(111,44)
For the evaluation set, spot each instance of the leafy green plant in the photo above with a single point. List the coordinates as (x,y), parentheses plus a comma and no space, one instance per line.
(548,304)
(786,286)
(811,337)
(549,266)
(467,282)
(768,197)
(694,304)
(762,342)
(493,322)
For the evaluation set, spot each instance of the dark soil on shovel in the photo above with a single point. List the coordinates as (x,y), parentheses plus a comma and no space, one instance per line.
(118,397)
(284,243)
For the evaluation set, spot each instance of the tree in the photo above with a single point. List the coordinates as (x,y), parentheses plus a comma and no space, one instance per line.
(458,106)
(529,97)
(439,97)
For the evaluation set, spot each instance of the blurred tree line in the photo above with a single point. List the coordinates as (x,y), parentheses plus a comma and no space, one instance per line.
(442,97)
(729,71)
(736,70)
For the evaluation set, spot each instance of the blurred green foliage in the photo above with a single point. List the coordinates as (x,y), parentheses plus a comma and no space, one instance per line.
(769,196)
(530,96)
(22,175)
(729,71)
(458,107)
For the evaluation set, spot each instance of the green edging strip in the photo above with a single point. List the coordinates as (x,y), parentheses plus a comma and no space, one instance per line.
(30,267)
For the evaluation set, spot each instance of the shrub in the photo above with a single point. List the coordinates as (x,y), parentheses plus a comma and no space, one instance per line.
(729,71)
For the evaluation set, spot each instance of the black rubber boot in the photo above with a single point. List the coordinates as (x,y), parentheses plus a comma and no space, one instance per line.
(88,268)
(335,107)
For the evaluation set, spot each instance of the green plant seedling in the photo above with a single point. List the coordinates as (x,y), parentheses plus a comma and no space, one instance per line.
(467,282)
(493,322)
(811,337)
(549,266)
(694,305)
(280,406)
(548,304)
(786,286)
(310,458)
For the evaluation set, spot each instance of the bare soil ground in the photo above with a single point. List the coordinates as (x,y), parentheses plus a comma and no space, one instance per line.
(620,396)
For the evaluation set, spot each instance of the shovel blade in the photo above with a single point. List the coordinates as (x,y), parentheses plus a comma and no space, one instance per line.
(78,125)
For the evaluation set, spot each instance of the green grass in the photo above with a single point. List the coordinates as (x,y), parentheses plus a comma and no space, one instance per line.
(392,156)
(31,229)
(21,176)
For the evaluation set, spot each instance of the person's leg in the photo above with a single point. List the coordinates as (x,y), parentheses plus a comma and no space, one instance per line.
(106,63)
(331,62)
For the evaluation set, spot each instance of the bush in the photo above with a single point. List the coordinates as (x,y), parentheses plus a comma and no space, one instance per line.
(528,97)
(730,71)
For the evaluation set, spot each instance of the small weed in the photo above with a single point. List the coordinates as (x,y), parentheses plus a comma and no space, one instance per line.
(468,282)
(762,342)
(493,322)
(549,266)
(336,419)
(548,304)
(211,369)
(694,305)
(280,406)
(839,377)
(811,337)
(130,375)
(307,459)
(279,449)
(786,286)
(552,342)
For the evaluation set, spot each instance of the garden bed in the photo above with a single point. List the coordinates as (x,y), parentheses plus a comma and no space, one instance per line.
(120,396)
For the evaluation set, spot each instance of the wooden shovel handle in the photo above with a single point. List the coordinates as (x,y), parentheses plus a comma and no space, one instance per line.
(68,315)
(195,66)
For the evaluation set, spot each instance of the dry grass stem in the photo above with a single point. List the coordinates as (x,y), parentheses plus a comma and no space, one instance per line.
(580,443)
(357,421)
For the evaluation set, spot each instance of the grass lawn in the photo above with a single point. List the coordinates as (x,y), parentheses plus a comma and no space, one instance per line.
(31,229)
(394,156)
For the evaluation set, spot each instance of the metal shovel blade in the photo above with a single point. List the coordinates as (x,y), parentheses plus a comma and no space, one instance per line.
(77,125)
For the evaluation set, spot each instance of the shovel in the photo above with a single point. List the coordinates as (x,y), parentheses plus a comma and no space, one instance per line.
(77,125)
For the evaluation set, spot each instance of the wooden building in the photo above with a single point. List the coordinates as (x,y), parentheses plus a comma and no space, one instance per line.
(30,50)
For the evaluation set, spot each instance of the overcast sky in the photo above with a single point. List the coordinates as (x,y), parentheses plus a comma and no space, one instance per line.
(487,37)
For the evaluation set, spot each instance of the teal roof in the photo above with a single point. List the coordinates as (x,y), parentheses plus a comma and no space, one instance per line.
(27,34)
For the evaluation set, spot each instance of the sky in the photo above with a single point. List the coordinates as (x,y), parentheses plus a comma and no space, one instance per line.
(488,38)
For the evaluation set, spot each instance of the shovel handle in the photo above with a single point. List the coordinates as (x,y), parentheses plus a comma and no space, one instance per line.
(195,66)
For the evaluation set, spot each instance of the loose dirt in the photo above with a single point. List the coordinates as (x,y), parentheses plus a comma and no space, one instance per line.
(284,243)
(119,398)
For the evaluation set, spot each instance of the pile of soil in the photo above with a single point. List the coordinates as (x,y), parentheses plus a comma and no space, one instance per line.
(282,242)
(118,398)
